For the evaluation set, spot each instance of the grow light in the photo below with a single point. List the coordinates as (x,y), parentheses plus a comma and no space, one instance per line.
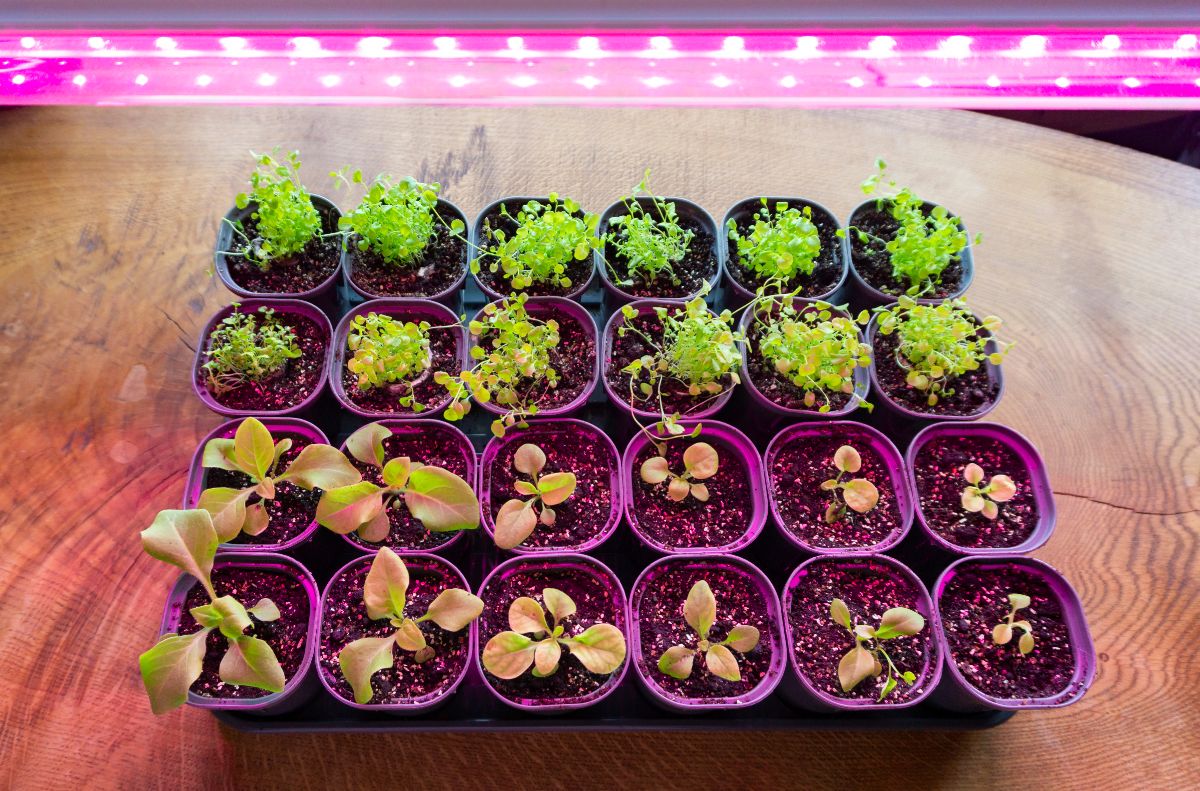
(980,68)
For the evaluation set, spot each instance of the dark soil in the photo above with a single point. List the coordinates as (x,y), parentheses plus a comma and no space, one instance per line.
(345,620)
(973,391)
(298,380)
(940,483)
(874,266)
(573,358)
(595,602)
(428,445)
(578,271)
(661,625)
(698,266)
(795,473)
(286,636)
(571,448)
(690,523)
(292,509)
(869,589)
(438,269)
(444,346)
(827,269)
(622,351)
(296,274)
(974,601)
(777,387)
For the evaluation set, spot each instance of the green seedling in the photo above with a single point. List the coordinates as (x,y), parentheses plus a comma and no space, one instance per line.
(517,519)
(985,499)
(533,642)
(548,237)
(857,494)
(700,611)
(392,354)
(1002,633)
(248,347)
(781,245)
(285,218)
(700,462)
(396,220)
(863,660)
(651,242)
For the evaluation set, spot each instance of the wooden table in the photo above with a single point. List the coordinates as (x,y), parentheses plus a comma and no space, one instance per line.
(1089,253)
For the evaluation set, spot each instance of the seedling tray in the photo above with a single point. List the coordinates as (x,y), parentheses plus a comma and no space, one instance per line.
(474,708)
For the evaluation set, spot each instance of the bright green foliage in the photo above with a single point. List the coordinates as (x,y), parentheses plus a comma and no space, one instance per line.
(244,349)
(511,368)
(814,347)
(862,660)
(548,237)
(283,210)
(389,353)
(396,219)
(650,242)
(939,342)
(781,245)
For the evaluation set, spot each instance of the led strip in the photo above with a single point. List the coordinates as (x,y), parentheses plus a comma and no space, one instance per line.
(985,68)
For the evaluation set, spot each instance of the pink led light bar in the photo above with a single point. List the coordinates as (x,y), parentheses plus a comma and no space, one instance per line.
(985,68)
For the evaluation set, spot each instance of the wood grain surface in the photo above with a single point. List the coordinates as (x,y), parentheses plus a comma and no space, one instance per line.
(108,218)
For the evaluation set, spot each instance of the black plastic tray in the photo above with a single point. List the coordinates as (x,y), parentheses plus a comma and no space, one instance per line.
(474,708)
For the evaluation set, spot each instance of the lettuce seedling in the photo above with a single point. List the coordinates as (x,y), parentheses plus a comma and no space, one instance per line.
(244,349)
(517,518)
(650,242)
(286,220)
(863,659)
(548,237)
(392,354)
(700,462)
(859,494)
(939,343)
(1002,633)
(188,540)
(437,498)
(600,648)
(780,246)
(396,219)
(700,610)
(511,364)
(384,593)
(985,499)
(255,453)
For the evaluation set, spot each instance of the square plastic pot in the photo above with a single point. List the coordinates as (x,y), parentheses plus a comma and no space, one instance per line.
(280,306)
(301,686)
(1042,492)
(415,310)
(958,694)
(646,675)
(415,564)
(896,473)
(547,432)
(727,439)
(227,430)
(798,690)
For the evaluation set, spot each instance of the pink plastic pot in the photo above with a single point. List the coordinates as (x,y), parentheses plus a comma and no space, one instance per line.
(546,433)
(741,293)
(861,375)
(416,564)
(725,438)
(301,686)
(684,209)
(864,295)
(478,241)
(225,241)
(566,567)
(958,694)
(800,691)
(897,478)
(402,310)
(646,669)
(621,400)
(1040,481)
(423,428)
(280,306)
(898,410)
(197,474)
(558,308)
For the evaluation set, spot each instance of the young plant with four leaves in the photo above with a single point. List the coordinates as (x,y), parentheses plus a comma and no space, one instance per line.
(437,498)
(188,540)
(396,220)
(548,237)
(384,594)
(859,494)
(533,642)
(392,354)
(651,242)
(243,349)
(700,611)
(284,215)
(863,660)
(1002,633)
(780,246)
(517,518)
(985,499)
(700,462)
(255,453)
